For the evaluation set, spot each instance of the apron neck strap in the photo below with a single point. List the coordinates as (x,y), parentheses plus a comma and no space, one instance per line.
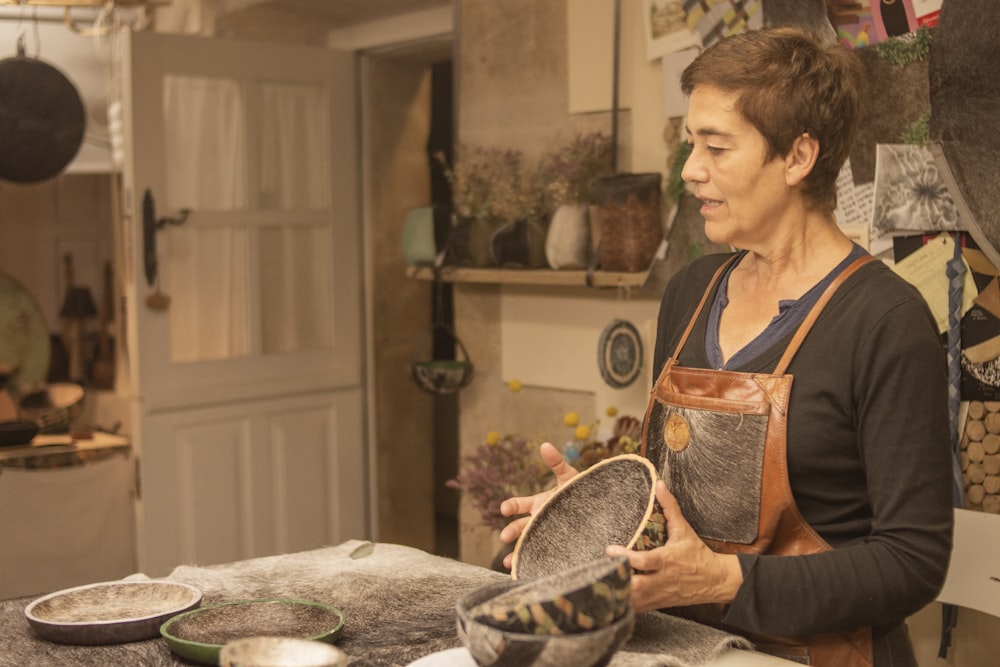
(701,304)
(803,330)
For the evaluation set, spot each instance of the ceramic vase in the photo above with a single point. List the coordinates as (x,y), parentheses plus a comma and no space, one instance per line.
(567,244)
(519,244)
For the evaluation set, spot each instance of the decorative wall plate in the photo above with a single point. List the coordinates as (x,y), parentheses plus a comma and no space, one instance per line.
(25,347)
(619,354)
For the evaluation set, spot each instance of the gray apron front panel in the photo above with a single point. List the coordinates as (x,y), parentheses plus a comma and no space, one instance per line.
(713,463)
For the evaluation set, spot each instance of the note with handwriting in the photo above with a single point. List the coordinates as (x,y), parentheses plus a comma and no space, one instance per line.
(925,270)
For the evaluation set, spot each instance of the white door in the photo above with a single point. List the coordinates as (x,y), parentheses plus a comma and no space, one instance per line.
(247,407)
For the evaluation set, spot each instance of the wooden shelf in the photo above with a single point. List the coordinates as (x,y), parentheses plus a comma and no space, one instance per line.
(542,277)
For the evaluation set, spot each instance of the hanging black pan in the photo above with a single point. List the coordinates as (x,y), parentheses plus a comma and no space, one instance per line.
(42,119)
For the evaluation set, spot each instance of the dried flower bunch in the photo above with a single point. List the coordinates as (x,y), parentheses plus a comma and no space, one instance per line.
(506,466)
(567,171)
(500,468)
(583,451)
(491,183)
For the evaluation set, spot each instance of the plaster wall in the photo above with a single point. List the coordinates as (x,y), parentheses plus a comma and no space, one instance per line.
(514,92)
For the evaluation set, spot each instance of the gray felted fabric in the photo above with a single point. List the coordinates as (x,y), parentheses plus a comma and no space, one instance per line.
(893,98)
(809,14)
(399,603)
(965,115)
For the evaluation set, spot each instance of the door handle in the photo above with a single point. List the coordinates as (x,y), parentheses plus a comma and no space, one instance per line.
(150,225)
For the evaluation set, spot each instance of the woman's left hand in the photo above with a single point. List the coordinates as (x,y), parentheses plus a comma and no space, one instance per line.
(682,572)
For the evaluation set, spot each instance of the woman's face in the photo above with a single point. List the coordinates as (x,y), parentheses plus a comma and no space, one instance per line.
(743,198)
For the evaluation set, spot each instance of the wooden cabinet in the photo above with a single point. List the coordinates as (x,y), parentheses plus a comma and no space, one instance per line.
(66,515)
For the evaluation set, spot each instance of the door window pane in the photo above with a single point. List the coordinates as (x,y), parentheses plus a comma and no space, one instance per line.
(209,292)
(295,272)
(294,147)
(205,137)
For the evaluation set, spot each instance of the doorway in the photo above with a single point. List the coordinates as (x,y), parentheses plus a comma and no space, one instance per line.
(407,116)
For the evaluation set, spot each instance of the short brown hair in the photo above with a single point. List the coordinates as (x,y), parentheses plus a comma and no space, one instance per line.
(789,82)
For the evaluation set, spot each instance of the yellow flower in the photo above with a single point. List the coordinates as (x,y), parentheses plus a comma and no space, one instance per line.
(514,385)
(571,419)
(492,438)
(582,432)
(611,411)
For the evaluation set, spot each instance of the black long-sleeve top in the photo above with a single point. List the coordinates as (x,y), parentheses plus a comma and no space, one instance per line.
(869,456)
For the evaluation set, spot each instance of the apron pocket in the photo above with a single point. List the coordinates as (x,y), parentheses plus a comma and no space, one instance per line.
(710,452)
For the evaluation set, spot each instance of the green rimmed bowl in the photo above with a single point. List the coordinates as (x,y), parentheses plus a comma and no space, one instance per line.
(199,635)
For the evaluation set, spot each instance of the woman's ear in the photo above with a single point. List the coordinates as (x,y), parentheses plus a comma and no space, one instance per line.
(801,158)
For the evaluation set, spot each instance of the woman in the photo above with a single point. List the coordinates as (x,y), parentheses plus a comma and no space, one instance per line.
(812,515)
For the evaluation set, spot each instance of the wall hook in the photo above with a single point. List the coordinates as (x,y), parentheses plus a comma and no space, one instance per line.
(150,225)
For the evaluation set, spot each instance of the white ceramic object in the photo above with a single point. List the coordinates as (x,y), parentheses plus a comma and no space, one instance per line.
(280,652)
(567,243)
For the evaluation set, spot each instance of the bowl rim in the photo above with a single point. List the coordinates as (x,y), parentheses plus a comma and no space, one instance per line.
(464,617)
(328,636)
(29,611)
(569,486)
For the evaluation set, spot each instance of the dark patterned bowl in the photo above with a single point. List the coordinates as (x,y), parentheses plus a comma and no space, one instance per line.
(585,597)
(501,648)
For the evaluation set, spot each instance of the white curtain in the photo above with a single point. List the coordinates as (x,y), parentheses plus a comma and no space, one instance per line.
(229,284)
(209,309)
(295,315)
(294,165)
(206,149)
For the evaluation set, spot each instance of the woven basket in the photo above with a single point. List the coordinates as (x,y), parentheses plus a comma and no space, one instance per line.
(631,227)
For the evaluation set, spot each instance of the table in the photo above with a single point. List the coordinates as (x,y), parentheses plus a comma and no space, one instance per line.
(399,603)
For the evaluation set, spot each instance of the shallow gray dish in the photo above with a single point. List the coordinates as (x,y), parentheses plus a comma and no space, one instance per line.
(199,635)
(112,612)
(500,648)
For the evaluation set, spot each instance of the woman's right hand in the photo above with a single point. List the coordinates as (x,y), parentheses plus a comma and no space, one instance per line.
(563,471)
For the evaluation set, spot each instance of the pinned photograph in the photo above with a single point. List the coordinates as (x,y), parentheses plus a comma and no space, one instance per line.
(666,28)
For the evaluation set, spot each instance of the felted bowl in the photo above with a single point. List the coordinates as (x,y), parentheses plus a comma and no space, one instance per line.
(112,612)
(501,648)
(53,408)
(280,652)
(612,502)
(586,597)
(199,635)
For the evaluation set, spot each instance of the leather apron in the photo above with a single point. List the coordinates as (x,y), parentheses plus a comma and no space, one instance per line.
(714,436)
